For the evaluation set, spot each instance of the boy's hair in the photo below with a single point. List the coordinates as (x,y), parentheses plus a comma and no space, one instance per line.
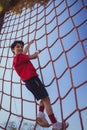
(15,43)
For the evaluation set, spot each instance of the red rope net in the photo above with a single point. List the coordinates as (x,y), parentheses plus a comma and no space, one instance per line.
(60,32)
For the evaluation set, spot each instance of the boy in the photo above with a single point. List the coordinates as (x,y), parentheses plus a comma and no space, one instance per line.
(28,74)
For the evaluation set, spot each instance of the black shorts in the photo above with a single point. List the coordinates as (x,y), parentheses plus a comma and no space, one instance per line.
(36,87)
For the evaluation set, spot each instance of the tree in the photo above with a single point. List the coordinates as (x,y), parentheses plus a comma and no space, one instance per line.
(12,125)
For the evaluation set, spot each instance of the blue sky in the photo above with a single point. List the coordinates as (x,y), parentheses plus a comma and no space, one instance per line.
(62,37)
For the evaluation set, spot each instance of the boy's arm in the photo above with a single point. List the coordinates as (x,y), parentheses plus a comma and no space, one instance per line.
(26,49)
(35,55)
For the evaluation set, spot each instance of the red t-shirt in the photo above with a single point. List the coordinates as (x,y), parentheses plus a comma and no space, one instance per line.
(24,67)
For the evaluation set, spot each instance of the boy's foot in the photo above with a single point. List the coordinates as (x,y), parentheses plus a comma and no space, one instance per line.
(60,126)
(41,120)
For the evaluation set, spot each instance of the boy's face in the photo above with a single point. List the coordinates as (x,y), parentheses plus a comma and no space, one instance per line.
(18,49)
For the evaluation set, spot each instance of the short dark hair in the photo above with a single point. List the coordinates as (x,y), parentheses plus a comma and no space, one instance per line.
(15,43)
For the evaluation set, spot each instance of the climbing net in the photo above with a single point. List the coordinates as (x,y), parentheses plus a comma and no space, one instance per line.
(60,32)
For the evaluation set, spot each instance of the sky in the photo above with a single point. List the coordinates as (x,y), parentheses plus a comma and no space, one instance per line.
(61,36)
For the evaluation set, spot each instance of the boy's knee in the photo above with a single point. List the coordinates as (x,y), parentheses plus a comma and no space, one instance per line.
(46,99)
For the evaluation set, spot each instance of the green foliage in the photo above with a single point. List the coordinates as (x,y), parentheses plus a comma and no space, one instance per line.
(16,6)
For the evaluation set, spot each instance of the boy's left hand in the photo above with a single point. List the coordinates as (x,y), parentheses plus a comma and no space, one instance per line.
(38,51)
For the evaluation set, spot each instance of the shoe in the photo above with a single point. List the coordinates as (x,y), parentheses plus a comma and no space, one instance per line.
(60,126)
(41,120)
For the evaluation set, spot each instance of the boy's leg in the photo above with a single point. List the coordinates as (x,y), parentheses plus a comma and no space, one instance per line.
(41,120)
(56,125)
(41,106)
(47,105)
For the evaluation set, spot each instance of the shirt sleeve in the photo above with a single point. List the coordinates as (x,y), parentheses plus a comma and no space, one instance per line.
(24,57)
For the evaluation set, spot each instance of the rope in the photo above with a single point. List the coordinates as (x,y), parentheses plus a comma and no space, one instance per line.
(59,30)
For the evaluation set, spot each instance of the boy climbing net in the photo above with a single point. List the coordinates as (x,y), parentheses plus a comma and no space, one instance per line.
(28,74)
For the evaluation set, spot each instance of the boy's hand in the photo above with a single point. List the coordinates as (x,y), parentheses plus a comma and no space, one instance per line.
(30,42)
(26,49)
(35,55)
(38,51)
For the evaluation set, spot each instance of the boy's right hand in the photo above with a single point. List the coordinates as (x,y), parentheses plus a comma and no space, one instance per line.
(31,42)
